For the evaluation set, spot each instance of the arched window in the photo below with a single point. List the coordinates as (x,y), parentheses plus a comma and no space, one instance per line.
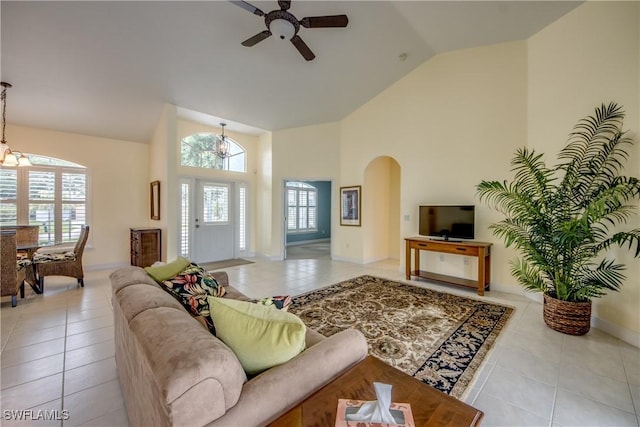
(197,151)
(52,193)
(302,207)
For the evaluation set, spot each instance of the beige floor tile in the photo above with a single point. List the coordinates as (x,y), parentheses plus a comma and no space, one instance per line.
(595,387)
(631,361)
(111,419)
(574,410)
(43,320)
(85,355)
(30,371)
(498,413)
(90,375)
(89,338)
(48,414)
(28,353)
(89,324)
(520,391)
(34,337)
(33,393)
(78,316)
(93,403)
(523,362)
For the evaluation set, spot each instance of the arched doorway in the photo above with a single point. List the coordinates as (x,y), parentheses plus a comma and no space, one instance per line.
(381,210)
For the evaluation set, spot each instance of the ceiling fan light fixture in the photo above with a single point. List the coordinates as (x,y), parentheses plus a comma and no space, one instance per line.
(282,29)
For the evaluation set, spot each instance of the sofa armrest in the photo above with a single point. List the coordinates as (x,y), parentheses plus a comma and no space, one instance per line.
(295,380)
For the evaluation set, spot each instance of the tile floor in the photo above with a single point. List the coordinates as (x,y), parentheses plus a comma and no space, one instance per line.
(57,355)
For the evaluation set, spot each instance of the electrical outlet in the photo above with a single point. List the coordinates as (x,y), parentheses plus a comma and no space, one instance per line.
(441,258)
(466,261)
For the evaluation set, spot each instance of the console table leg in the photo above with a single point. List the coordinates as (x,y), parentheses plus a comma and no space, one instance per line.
(407,255)
(481,271)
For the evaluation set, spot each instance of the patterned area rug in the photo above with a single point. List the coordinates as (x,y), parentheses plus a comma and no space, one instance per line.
(436,337)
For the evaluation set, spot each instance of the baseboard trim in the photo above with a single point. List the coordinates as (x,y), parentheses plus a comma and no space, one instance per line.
(620,332)
(110,266)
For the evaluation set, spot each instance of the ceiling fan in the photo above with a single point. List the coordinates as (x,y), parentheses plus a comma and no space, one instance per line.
(285,26)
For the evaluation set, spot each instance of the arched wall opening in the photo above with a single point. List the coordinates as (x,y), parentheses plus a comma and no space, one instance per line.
(381,210)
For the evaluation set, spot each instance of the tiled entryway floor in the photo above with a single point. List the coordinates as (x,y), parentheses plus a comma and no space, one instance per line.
(58,353)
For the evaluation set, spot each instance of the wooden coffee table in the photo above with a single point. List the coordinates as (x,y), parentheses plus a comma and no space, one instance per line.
(430,407)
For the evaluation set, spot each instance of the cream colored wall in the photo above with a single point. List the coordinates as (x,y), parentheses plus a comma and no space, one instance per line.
(118,185)
(455,120)
(306,153)
(159,171)
(382,202)
(588,57)
(264,194)
(253,156)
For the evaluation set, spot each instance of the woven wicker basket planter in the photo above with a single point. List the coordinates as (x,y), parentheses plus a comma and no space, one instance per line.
(573,318)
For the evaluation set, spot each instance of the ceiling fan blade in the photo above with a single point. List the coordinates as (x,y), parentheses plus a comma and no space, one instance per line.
(256,39)
(302,48)
(325,21)
(284,5)
(247,6)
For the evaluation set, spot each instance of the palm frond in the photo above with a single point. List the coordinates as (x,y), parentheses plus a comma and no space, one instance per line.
(560,219)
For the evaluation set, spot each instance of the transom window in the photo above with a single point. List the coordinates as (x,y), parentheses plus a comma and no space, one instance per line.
(302,207)
(197,151)
(52,193)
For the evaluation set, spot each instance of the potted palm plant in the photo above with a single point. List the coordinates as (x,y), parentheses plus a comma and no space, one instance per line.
(563,219)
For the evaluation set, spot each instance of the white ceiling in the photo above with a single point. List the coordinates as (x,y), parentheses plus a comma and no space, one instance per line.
(106,68)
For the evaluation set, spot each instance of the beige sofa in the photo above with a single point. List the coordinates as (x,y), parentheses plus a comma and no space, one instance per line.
(173,372)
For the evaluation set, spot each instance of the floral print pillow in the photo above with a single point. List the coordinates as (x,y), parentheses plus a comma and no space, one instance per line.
(280,302)
(192,287)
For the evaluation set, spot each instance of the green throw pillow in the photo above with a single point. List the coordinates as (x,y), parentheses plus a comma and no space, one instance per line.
(260,336)
(167,271)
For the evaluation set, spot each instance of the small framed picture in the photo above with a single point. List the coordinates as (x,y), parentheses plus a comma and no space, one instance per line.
(155,200)
(350,205)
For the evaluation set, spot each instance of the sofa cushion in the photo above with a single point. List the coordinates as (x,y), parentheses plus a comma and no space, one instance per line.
(260,336)
(191,287)
(128,276)
(163,272)
(39,258)
(138,298)
(197,375)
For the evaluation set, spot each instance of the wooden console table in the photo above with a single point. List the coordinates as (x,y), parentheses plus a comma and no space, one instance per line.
(481,250)
(430,407)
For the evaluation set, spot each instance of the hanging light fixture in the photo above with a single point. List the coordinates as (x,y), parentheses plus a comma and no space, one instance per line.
(9,157)
(221,147)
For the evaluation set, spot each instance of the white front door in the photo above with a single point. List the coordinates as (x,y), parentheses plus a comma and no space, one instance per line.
(214,224)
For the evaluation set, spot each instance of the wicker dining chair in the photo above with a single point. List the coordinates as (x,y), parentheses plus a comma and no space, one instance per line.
(12,273)
(66,263)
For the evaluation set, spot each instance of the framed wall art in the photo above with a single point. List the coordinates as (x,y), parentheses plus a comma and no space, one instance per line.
(350,205)
(155,200)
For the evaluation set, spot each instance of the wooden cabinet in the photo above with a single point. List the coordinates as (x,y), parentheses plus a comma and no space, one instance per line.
(146,246)
(480,250)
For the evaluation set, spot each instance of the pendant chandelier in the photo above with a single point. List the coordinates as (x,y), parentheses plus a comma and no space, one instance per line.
(9,157)
(221,146)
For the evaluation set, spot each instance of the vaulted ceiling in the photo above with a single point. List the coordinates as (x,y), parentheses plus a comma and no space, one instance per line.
(106,68)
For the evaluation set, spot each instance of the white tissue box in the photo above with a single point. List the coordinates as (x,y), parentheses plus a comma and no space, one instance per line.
(401,413)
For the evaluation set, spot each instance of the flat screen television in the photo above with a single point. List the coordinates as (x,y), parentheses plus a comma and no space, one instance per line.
(447,221)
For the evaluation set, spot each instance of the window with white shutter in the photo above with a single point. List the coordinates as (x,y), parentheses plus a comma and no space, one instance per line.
(52,193)
(302,207)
